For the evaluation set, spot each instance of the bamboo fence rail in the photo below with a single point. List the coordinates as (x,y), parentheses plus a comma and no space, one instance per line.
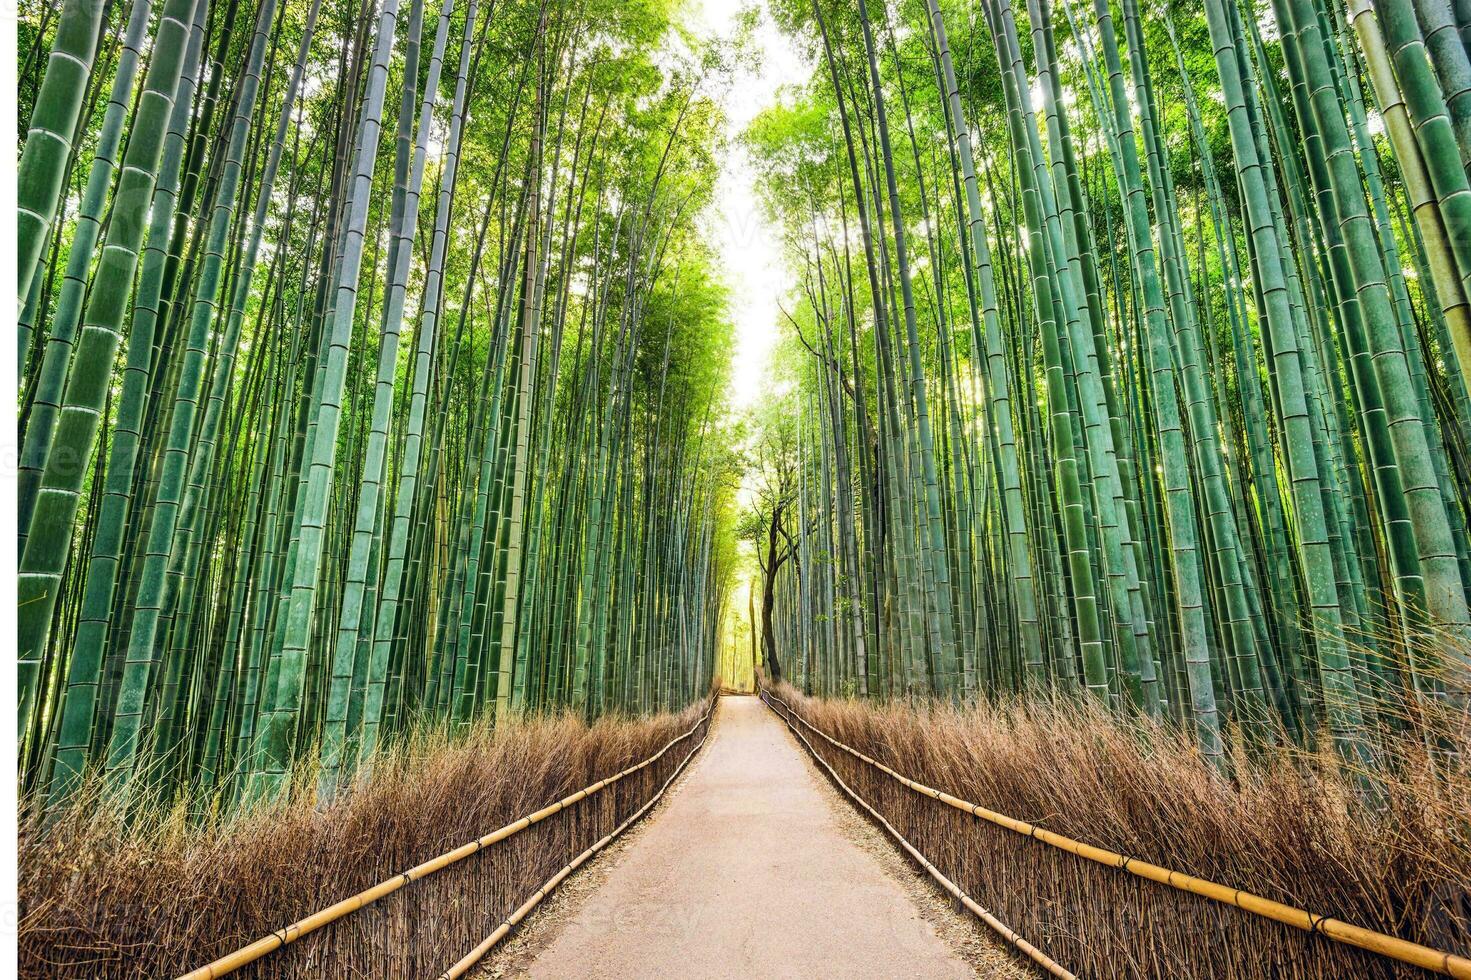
(463,965)
(265,945)
(1382,944)
(1010,935)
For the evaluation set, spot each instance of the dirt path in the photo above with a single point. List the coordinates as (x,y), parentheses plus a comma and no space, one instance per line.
(752,869)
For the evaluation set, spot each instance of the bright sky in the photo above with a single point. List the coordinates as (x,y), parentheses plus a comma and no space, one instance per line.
(748,245)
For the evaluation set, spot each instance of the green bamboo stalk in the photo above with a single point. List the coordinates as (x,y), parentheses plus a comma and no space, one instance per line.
(49,538)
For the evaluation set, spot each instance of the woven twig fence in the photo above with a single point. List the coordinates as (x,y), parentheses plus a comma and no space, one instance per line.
(414,924)
(1108,915)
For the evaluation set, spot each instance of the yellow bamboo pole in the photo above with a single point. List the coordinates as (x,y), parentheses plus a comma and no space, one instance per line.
(465,963)
(246,955)
(1434,960)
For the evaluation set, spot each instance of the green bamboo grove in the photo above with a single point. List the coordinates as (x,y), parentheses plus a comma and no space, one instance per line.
(1128,355)
(372,378)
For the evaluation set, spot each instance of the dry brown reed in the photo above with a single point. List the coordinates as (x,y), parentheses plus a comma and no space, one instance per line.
(1287,825)
(103,897)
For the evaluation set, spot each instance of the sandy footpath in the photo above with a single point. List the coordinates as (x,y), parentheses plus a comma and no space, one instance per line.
(752,868)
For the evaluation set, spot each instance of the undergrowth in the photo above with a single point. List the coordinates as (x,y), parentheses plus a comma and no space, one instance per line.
(1286,824)
(104,896)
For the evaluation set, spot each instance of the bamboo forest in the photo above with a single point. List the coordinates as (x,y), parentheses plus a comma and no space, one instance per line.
(1035,434)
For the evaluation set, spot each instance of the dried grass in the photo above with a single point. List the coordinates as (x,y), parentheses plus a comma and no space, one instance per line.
(101,897)
(1288,825)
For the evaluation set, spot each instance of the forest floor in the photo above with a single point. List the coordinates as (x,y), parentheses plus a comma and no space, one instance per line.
(753,866)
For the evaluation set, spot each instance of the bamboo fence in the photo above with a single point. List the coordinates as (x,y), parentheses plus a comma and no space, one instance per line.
(1276,959)
(254,951)
(464,964)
